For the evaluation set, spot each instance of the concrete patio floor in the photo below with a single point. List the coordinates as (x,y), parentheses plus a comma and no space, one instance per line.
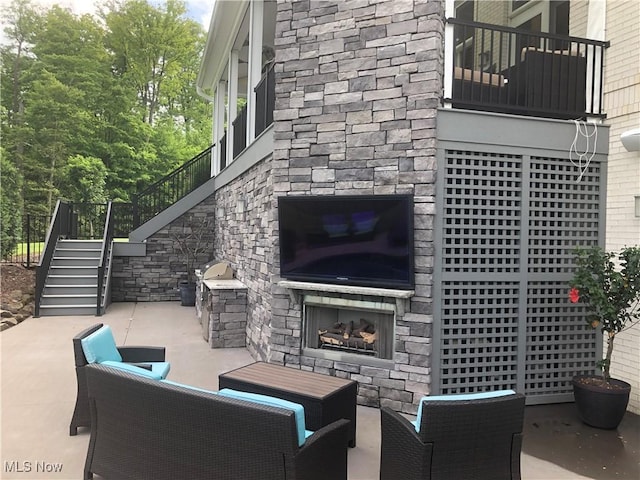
(39,388)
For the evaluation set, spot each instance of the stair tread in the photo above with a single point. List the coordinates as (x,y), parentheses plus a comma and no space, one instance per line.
(84,305)
(74,258)
(71,295)
(72,276)
(73,266)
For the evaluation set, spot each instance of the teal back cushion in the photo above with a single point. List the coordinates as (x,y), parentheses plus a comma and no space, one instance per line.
(100,346)
(453,398)
(273,402)
(129,368)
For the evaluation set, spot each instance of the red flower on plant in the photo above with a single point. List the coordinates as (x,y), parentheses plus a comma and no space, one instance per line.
(574,295)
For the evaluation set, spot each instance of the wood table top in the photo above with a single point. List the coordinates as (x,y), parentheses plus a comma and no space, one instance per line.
(289,379)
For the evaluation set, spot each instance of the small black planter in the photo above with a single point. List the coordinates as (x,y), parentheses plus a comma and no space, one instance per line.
(599,406)
(187,294)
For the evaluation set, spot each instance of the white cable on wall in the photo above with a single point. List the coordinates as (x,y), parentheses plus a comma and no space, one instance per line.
(583,158)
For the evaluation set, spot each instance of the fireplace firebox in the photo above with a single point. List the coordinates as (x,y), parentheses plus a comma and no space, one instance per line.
(350,327)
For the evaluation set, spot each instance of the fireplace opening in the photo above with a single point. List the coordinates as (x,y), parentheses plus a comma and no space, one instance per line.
(362,337)
(354,327)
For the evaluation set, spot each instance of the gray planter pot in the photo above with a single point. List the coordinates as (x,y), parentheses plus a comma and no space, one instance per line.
(601,406)
(187,294)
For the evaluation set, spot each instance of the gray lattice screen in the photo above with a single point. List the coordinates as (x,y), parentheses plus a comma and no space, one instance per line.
(509,224)
(563,213)
(479,336)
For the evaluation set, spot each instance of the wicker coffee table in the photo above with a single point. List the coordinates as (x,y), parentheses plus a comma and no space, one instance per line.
(324,398)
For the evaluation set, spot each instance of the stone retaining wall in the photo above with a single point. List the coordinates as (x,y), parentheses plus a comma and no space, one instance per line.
(155,276)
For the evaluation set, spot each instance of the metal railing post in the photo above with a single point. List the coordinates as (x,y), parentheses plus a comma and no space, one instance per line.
(28,240)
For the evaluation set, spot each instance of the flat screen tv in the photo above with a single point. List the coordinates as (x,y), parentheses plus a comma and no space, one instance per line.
(362,240)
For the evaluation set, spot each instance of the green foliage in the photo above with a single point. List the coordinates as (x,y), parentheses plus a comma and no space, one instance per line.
(611,293)
(10,206)
(84,179)
(119,91)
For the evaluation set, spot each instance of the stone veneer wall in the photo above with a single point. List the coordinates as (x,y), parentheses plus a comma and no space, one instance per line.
(155,276)
(245,229)
(358,85)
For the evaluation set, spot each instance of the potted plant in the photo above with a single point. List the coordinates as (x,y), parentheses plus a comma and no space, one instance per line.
(609,286)
(192,240)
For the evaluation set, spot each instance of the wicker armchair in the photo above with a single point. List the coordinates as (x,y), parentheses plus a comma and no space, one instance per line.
(133,354)
(465,438)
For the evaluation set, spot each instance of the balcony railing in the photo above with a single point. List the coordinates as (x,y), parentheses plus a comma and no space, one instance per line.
(240,132)
(223,151)
(508,70)
(265,100)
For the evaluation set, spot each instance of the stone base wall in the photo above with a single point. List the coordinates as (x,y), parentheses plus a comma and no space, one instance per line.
(245,233)
(227,322)
(155,276)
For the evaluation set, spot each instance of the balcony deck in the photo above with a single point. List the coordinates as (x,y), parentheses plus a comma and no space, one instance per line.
(505,70)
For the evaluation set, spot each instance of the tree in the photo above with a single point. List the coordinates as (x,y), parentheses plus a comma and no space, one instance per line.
(120,90)
(57,122)
(150,44)
(10,205)
(83,180)
(22,21)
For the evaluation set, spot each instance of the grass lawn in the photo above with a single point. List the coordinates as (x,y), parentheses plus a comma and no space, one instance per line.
(34,248)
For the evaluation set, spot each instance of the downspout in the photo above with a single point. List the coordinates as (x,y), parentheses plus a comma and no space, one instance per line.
(204,95)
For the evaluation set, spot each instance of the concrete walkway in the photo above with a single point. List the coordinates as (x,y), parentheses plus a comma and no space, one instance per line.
(39,388)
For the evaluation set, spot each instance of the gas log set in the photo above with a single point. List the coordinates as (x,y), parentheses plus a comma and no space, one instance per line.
(347,336)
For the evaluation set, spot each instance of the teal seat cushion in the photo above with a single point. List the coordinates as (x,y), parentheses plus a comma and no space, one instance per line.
(453,398)
(130,368)
(273,402)
(100,346)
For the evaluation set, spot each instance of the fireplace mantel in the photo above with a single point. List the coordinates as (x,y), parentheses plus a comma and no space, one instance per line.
(399,295)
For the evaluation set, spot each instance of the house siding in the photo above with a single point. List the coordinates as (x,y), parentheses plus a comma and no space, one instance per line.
(622,103)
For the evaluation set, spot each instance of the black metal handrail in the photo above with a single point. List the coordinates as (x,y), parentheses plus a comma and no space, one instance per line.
(265,100)
(107,238)
(60,227)
(508,70)
(172,187)
(122,219)
(87,220)
(29,241)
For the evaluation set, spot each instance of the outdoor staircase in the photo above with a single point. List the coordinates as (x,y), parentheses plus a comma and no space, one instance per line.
(72,279)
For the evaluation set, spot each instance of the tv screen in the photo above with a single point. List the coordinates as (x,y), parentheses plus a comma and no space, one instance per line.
(363,240)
